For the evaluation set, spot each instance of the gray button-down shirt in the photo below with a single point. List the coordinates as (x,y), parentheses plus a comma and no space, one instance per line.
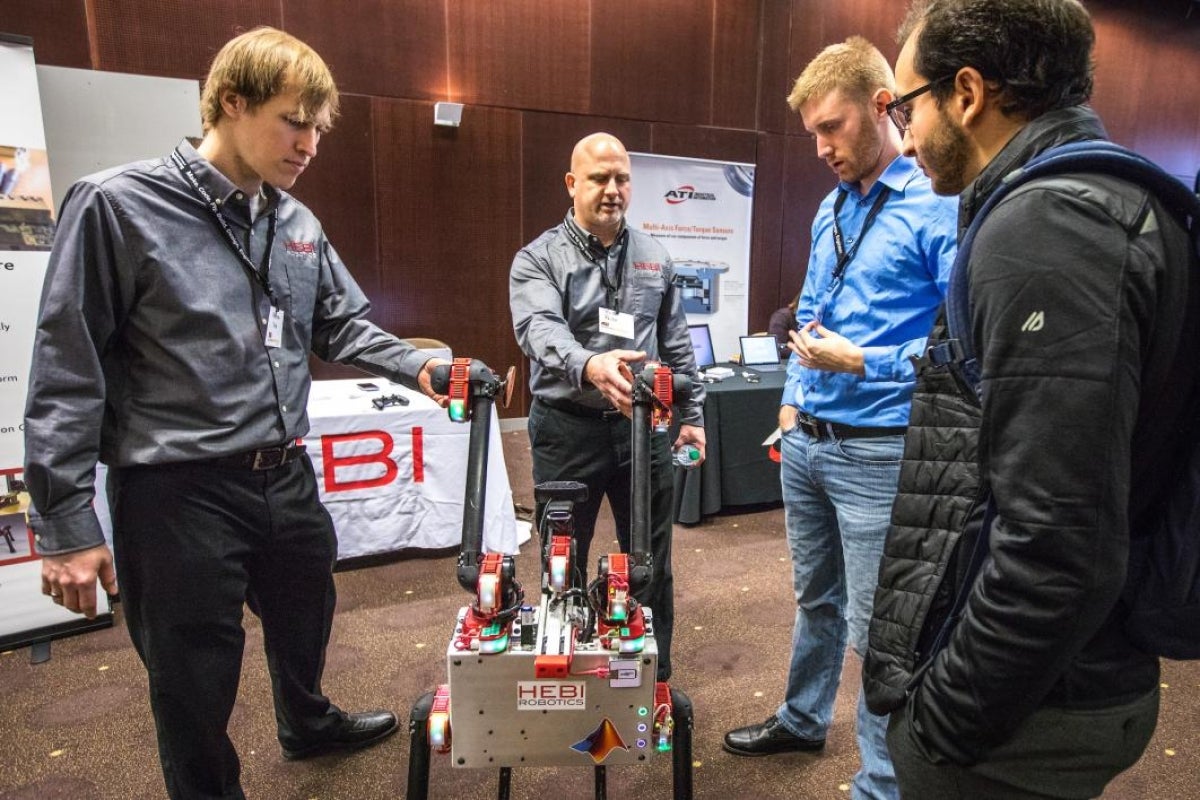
(556,293)
(151,346)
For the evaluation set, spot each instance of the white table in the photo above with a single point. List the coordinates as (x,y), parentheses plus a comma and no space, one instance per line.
(391,478)
(396,477)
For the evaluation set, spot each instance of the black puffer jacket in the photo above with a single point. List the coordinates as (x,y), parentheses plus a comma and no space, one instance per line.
(1086,363)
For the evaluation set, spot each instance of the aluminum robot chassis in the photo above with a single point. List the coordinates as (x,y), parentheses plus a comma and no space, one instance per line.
(569,681)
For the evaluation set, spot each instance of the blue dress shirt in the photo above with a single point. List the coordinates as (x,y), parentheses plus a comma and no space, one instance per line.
(886,300)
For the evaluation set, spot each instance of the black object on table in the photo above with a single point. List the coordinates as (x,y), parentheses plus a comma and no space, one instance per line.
(739,414)
(384,401)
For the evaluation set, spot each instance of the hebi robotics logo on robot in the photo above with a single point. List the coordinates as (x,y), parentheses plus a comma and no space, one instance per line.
(551,695)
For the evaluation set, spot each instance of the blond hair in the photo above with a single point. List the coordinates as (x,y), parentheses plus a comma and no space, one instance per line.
(262,63)
(855,67)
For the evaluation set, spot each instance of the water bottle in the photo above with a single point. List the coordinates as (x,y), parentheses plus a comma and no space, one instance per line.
(687,456)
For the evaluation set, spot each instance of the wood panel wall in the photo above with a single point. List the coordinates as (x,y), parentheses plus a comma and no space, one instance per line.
(429,218)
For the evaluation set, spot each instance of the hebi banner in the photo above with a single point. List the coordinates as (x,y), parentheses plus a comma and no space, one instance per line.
(701,211)
(396,478)
(26,233)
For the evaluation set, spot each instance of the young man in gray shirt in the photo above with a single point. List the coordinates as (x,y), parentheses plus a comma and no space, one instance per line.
(181,303)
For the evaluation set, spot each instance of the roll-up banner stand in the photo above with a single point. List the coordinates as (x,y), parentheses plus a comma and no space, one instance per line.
(27,617)
(701,210)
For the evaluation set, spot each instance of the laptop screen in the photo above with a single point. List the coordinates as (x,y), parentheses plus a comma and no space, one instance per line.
(702,345)
(759,350)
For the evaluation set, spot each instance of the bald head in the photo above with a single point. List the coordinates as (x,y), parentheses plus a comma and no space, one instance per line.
(600,186)
(594,146)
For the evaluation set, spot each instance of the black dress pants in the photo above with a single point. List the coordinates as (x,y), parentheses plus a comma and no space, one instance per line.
(194,543)
(1055,754)
(598,453)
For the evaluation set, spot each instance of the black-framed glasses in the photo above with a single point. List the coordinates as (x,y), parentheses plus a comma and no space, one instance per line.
(899,109)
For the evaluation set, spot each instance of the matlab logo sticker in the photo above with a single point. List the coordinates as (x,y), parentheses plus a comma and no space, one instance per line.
(601,742)
(682,194)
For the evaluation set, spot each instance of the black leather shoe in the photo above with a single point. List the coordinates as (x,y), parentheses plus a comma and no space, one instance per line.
(353,732)
(768,739)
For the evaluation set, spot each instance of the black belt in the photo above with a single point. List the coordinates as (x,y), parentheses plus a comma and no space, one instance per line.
(578,410)
(820,429)
(261,459)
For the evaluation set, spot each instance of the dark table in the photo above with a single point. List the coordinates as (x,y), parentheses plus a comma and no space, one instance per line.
(738,468)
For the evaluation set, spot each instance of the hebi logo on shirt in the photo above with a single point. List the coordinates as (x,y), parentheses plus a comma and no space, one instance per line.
(302,248)
(647,266)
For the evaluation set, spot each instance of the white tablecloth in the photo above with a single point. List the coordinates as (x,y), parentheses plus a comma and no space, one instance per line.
(396,477)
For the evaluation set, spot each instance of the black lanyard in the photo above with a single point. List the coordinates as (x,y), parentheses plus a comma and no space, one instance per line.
(612,290)
(261,277)
(843,257)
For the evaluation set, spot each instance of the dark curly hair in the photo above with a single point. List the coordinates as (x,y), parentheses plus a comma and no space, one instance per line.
(1037,52)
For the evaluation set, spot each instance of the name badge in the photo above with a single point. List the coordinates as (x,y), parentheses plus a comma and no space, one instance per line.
(275,327)
(615,323)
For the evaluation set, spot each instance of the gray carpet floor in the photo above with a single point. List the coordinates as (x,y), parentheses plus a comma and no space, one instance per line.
(79,725)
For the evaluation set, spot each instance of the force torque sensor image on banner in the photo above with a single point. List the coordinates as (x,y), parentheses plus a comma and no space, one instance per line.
(700,211)
(26,205)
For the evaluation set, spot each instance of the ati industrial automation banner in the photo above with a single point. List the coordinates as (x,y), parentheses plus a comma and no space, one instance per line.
(700,211)
(26,233)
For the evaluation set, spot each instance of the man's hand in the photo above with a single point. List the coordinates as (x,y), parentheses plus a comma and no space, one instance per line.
(610,373)
(787,417)
(70,579)
(425,381)
(693,435)
(820,348)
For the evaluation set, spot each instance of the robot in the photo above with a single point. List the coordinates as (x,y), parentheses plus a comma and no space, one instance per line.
(568,679)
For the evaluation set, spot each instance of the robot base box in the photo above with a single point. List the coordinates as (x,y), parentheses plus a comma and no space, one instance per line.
(552,701)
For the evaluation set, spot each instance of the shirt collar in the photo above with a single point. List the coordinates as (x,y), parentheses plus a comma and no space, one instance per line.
(224,191)
(896,176)
(591,239)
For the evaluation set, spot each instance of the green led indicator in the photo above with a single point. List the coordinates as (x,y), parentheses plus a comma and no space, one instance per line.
(643,711)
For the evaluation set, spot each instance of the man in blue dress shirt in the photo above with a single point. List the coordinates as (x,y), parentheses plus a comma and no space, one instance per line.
(882,247)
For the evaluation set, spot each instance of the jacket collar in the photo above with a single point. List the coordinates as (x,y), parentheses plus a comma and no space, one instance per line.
(1049,130)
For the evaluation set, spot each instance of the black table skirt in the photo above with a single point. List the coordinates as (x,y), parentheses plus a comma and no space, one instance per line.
(738,468)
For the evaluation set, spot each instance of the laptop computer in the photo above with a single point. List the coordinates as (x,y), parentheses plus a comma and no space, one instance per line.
(702,345)
(760,353)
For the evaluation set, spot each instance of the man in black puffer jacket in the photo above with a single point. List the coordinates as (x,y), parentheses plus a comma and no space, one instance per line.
(1084,324)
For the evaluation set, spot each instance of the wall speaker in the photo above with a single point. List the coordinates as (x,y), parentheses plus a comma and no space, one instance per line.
(448,114)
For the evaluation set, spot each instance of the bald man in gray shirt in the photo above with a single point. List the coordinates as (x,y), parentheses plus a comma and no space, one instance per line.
(592,300)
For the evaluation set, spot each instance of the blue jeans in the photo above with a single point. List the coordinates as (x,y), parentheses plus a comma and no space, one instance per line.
(837,497)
